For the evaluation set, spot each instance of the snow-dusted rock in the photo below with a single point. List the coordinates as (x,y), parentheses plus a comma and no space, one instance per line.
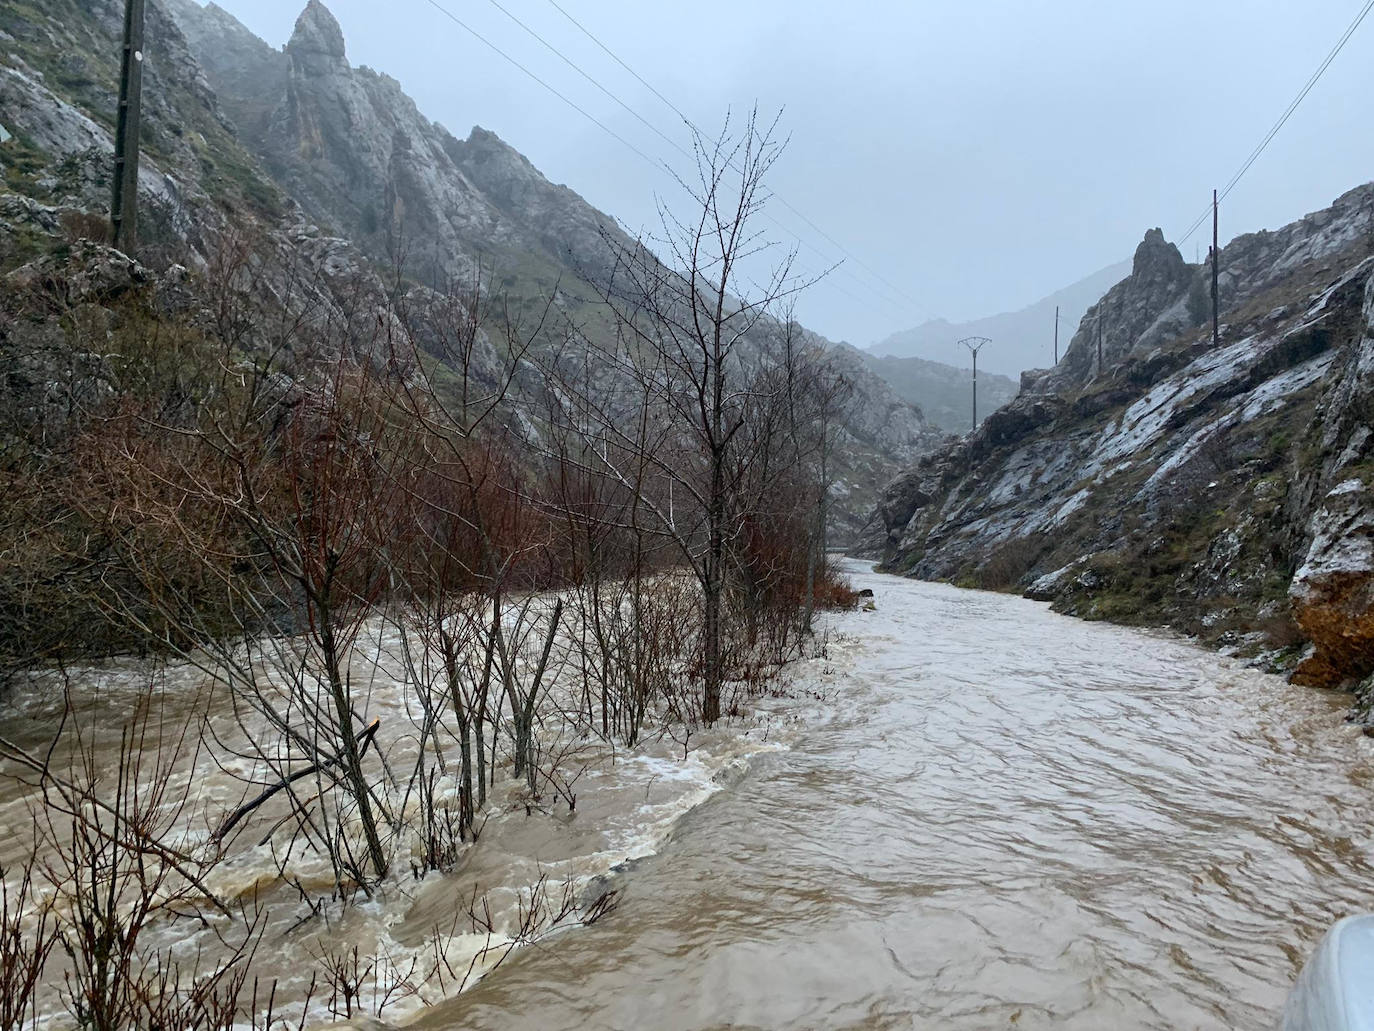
(1047,587)
(1135,315)
(1194,476)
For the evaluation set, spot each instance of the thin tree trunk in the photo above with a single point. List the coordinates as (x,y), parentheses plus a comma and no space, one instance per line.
(466,812)
(353,768)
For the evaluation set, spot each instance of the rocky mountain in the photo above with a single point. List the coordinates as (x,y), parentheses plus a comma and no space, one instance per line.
(334,169)
(1225,491)
(942,392)
(1022,339)
(353,149)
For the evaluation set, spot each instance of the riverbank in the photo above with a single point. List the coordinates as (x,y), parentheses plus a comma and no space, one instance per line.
(1162,474)
(970,812)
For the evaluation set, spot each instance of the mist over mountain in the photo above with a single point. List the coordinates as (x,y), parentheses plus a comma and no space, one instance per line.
(1021,339)
(943,392)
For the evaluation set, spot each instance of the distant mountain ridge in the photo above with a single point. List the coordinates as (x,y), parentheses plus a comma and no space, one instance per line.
(1021,339)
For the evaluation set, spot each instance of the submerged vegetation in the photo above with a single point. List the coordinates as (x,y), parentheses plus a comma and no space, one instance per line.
(282,500)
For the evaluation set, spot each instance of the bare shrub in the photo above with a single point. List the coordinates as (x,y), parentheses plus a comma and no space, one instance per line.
(117,869)
(84,225)
(1008,563)
(28,933)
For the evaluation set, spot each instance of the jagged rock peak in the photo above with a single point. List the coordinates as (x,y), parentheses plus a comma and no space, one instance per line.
(318,35)
(1155,252)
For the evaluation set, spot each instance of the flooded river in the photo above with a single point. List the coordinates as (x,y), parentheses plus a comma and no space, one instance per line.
(1013,819)
(971,813)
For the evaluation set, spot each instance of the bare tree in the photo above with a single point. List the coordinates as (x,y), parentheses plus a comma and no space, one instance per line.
(118,860)
(684,322)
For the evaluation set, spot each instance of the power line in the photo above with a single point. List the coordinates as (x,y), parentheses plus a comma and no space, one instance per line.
(571,103)
(674,143)
(575,67)
(1288,113)
(781,200)
(657,164)
(614,57)
(916,306)
(825,282)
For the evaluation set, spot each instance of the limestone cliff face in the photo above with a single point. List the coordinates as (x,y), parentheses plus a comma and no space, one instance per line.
(332,169)
(58,83)
(1333,589)
(1182,483)
(354,150)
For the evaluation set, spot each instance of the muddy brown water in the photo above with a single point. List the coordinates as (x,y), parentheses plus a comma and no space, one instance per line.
(997,817)
(1014,819)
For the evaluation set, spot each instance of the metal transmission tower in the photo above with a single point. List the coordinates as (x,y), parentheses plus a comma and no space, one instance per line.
(124,205)
(975,344)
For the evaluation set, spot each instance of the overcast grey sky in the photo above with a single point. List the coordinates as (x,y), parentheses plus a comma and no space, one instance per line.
(978,154)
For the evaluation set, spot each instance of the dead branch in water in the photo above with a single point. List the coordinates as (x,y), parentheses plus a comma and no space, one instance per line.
(364,738)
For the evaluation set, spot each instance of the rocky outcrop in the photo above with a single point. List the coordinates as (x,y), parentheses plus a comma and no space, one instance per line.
(1021,339)
(248,77)
(354,150)
(85,274)
(362,160)
(58,82)
(1184,483)
(1144,309)
(1333,589)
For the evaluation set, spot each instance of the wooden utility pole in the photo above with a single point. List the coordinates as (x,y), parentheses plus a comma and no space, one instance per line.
(1099,341)
(124,207)
(1056,334)
(975,344)
(1216,257)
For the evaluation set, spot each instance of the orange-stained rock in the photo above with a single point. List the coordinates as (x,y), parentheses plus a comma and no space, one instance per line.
(1333,592)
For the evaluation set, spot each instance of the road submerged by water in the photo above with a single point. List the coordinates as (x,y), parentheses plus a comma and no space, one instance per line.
(1013,819)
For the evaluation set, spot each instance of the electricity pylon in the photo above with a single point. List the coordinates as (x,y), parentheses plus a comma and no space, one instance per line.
(975,344)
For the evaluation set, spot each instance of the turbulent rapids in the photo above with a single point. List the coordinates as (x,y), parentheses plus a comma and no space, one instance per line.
(969,812)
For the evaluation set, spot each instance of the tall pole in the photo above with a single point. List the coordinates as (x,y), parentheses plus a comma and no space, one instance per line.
(124,206)
(1216,256)
(975,344)
(1099,341)
(1056,334)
